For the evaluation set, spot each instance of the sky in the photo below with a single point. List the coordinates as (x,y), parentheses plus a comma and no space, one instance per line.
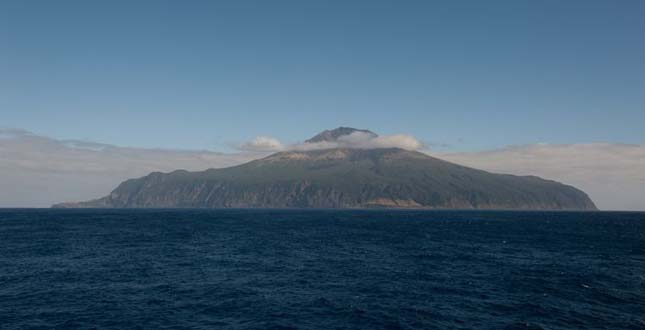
(96,92)
(461,76)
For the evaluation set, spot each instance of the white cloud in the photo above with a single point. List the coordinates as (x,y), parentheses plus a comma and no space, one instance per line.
(361,140)
(403,141)
(262,144)
(612,174)
(356,140)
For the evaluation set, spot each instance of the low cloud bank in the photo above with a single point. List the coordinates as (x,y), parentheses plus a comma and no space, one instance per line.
(612,174)
(37,171)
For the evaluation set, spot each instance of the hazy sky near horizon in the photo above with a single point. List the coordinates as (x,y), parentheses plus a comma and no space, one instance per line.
(38,171)
(459,75)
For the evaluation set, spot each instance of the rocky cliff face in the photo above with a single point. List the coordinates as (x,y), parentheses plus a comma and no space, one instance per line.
(343,178)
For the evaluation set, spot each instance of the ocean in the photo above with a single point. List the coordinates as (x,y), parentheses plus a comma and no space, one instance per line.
(321,269)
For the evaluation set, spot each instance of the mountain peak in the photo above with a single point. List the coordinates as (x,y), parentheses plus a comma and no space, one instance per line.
(335,134)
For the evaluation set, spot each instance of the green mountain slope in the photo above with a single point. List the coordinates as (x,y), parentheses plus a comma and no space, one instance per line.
(344,178)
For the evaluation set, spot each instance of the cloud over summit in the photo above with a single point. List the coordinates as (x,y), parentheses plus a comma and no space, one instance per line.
(355,140)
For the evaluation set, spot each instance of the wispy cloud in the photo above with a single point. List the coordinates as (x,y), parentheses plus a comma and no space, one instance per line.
(262,144)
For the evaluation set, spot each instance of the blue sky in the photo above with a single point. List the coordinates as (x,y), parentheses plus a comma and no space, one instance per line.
(468,75)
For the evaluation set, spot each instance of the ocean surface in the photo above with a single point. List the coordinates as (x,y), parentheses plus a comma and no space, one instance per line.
(294,269)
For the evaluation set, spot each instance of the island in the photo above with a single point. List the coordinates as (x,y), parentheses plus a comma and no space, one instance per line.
(343,177)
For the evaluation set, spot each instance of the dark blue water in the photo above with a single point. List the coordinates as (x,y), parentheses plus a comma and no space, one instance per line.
(234,269)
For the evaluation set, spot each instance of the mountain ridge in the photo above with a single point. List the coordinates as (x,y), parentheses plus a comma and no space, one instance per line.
(343,178)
